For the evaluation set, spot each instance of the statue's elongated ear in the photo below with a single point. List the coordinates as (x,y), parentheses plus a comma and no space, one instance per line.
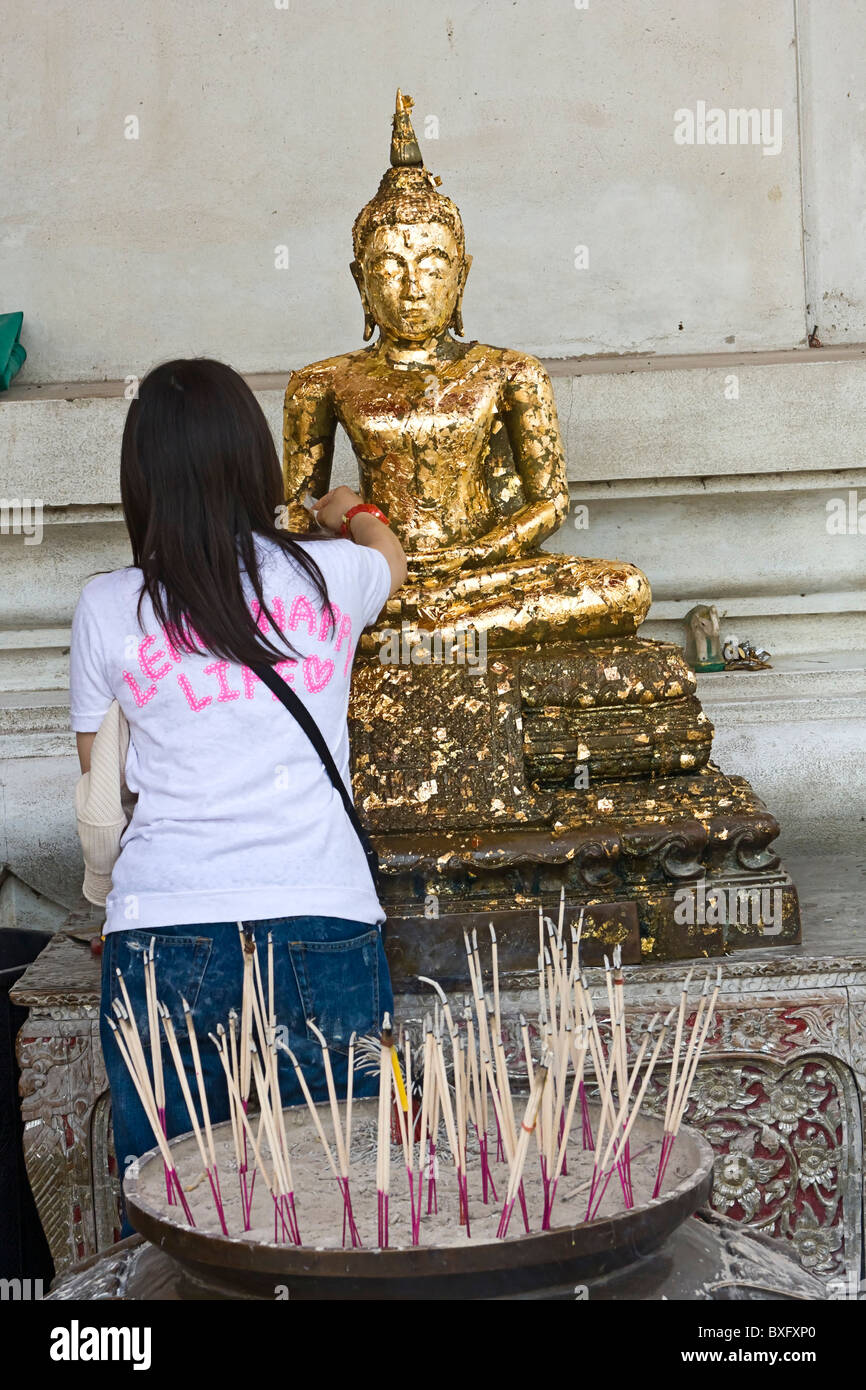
(457,316)
(358,276)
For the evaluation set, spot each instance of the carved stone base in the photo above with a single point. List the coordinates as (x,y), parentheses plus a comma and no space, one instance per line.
(646,741)
(615,709)
(444,746)
(582,767)
(670,869)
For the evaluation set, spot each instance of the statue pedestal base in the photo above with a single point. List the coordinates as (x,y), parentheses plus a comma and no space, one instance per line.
(584,767)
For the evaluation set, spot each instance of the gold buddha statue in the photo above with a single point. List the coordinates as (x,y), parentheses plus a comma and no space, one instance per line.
(577,757)
(457,442)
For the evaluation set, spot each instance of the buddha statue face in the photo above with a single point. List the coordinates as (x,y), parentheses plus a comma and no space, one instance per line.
(410,265)
(411,278)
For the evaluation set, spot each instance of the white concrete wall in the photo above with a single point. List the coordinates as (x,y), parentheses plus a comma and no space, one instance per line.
(262,126)
(832,47)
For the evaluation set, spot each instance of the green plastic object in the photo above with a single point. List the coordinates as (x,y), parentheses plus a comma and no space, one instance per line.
(12,354)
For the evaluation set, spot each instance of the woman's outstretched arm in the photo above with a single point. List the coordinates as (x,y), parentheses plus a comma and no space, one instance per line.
(366,529)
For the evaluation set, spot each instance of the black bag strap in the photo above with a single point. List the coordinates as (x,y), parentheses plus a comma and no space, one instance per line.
(296,706)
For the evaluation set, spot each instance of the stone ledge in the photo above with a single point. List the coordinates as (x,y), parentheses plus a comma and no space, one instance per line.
(595,365)
(795,690)
(831,685)
(797,411)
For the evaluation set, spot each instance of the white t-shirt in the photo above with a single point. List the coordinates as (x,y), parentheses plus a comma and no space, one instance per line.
(236,818)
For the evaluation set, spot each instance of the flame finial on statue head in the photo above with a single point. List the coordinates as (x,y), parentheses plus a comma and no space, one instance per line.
(405,151)
(407,192)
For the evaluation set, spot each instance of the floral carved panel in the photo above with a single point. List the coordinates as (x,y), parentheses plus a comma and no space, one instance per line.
(67,1148)
(786,1139)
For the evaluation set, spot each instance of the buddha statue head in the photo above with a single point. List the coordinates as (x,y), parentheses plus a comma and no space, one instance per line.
(410,261)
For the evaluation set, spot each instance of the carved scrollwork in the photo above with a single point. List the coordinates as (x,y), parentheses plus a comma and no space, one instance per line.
(595,861)
(677,855)
(751,845)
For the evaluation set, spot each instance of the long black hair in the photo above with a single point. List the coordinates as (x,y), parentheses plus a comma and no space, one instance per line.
(199,479)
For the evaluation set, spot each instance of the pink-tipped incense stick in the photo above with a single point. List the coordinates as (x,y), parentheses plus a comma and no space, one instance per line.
(244,1123)
(527,1126)
(690,1066)
(156,1048)
(383,1133)
(339,1138)
(141,1082)
(635,1111)
(210,1170)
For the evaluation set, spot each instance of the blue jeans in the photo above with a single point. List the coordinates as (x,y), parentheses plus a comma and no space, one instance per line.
(327,969)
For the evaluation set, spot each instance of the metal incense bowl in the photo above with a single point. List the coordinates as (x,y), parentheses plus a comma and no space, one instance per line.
(218,1266)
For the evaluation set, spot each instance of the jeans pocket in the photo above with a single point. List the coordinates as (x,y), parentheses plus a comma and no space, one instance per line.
(180,963)
(338,983)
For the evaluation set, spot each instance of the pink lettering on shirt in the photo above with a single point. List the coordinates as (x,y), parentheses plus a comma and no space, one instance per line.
(141,697)
(317,673)
(345,631)
(302,610)
(220,670)
(173,639)
(251,680)
(192,699)
(147,660)
(326,627)
(284,669)
(277,609)
(170,639)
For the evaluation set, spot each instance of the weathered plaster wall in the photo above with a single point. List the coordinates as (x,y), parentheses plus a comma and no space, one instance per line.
(263,126)
(832,46)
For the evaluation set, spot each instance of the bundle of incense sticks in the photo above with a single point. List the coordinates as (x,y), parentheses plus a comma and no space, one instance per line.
(463,1077)
(128,1039)
(680,1085)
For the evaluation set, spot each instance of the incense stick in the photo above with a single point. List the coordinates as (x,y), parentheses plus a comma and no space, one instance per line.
(174,1050)
(245,1125)
(689,1071)
(576,1088)
(526,1127)
(155,1048)
(339,1139)
(148,1103)
(639,1100)
(282,1187)
(383,1136)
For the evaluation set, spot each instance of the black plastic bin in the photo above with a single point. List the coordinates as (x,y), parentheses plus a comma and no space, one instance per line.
(24,1252)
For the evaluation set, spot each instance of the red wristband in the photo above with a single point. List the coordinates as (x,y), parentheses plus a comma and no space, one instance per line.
(361,507)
